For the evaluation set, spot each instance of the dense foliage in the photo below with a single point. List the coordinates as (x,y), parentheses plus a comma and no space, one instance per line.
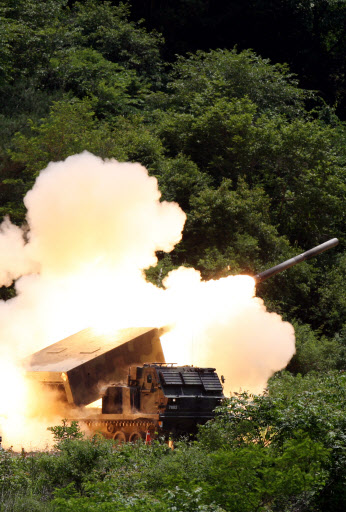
(283,451)
(308,35)
(258,164)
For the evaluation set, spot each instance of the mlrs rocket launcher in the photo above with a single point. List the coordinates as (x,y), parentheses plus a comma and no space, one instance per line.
(127,371)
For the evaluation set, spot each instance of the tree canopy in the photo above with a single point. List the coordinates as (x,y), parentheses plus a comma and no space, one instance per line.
(238,109)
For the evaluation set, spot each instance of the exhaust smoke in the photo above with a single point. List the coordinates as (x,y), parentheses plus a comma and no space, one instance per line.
(93,226)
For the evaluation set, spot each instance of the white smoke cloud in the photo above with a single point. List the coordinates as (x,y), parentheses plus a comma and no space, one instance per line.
(14,260)
(85,209)
(93,226)
(221,324)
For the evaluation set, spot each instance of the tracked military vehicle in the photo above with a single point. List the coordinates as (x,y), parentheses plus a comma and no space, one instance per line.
(128,373)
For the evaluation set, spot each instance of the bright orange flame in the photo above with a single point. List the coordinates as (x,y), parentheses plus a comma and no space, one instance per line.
(21,410)
(26,410)
(198,306)
(13,396)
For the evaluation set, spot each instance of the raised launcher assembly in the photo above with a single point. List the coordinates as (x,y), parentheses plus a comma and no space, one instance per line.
(139,391)
(82,365)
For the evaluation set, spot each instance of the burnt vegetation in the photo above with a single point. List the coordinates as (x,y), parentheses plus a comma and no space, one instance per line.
(238,109)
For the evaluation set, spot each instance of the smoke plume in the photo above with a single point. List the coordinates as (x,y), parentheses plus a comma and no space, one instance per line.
(92,227)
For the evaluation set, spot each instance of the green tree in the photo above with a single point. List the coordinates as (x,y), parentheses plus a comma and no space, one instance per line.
(204,77)
(261,478)
(70,128)
(219,138)
(302,169)
(49,48)
(66,431)
(107,29)
(181,180)
(300,163)
(304,415)
(84,72)
(309,36)
(315,352)
(230,230)
(332,305)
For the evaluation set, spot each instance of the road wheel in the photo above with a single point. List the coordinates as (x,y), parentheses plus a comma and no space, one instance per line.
(136,436)
(119,436)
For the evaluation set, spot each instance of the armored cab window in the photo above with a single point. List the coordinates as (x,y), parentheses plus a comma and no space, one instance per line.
(211,382)
(191,379)
(171,376)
